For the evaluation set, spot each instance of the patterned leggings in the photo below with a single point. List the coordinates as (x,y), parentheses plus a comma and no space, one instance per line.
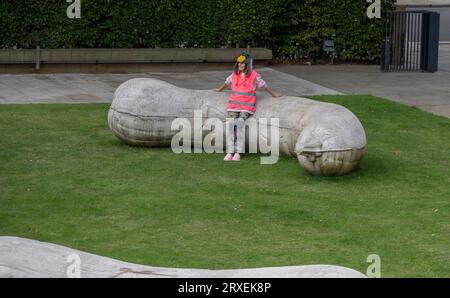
(235,133)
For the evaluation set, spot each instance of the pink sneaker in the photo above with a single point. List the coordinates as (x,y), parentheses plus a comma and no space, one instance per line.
(228,157)
(237,157)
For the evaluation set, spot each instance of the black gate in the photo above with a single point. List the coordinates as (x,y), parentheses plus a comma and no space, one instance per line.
(410,41)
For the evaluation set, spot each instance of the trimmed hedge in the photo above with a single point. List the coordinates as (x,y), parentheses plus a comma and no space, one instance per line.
(291,28)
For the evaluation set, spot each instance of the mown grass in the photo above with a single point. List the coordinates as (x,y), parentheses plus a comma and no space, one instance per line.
(65,179)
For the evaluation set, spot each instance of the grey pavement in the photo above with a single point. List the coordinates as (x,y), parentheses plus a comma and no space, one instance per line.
(85,88)
(427,91)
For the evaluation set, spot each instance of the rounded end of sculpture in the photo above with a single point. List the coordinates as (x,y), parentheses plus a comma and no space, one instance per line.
(330,163)
(139,131)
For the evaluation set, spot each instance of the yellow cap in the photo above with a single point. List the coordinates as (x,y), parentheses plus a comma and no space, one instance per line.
(241,59)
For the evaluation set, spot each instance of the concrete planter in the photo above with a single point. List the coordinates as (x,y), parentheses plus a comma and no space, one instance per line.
(153,55)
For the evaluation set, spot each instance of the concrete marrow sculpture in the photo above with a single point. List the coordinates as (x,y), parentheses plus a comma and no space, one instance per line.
(26,258)
(326,138)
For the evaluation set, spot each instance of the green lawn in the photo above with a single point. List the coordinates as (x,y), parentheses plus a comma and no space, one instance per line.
(65,179)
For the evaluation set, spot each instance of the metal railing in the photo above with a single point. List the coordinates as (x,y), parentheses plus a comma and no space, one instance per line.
(410,41)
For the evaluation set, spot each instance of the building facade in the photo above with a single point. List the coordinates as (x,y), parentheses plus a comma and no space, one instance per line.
(440,6)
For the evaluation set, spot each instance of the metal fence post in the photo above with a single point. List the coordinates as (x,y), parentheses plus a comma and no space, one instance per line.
(38,57)
(433,42)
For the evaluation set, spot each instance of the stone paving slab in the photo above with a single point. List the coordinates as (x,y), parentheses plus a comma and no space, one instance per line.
(87,88)
(427,91)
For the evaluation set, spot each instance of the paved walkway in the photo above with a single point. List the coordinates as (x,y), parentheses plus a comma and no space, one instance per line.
(84,88)
(427,91)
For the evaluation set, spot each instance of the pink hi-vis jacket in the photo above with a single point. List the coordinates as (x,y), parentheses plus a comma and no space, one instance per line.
(243,93)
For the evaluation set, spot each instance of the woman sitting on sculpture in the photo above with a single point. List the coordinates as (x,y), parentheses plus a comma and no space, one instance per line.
(242,103)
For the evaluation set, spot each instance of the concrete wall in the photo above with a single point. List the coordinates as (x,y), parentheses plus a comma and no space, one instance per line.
(444,31)
(423,2)
(11,56)
(180,67)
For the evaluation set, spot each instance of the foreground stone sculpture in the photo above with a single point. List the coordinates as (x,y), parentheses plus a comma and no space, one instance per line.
(326,138)
(23,258)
